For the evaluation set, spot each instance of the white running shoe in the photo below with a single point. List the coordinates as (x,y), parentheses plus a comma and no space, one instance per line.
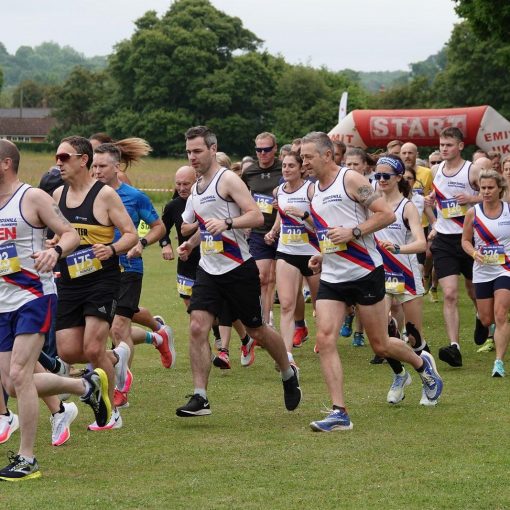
(8,425)
(424,401)
(248,353)
(114,423)
(396,393)
(123,352)
(61,422)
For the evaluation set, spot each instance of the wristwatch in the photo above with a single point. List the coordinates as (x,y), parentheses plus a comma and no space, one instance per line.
(356,233)
(229,222)
(163,243)
(144,242)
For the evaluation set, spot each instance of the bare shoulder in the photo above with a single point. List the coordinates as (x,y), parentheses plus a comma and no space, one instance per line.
(57,193)
(359,186)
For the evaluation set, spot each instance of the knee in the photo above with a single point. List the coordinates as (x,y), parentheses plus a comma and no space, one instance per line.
(500,317)
(450,296)
(265,278)
(287,306)
(17,376)
(94,353)
(197,329)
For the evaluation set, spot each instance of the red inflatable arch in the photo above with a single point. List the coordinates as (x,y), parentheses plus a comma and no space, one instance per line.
(482,126)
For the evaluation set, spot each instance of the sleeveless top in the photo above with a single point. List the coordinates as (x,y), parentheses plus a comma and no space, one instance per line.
(20,283)
(401,269)
(81,265)
(333,207)
(296,236)
(450,214)
(492,238)
(222,252)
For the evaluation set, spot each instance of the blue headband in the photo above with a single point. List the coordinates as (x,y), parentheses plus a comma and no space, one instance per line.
(394,163)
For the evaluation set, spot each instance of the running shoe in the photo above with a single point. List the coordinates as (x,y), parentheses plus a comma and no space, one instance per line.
(159,319)
(480,333)
(396,392)
(114,423)
(196,406)
(307,295)
(120,398)
(121,367)
(424,401)
(451,355)
(8,425)
(346,330)
(433,295)
(358,340)
(97,396)
(432,382)
(167,347)
(499,369)
(335,420)
(248,353)
(377,360)
(129,382)
(61,423)
(222,360)
(300,336)
(19,469)
(291,390)
(488,346)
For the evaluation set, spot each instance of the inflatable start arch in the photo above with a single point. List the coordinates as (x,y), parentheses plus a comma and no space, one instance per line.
(482,126)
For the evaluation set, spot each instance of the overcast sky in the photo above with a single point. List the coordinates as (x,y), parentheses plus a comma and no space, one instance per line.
(364,35)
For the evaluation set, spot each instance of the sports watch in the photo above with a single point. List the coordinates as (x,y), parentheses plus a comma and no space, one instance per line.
(356,233)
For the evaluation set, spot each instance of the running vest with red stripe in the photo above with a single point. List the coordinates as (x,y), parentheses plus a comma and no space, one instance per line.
(402,268)
(20,283)
(492,239)
(296,236)
(91,232)
(226,251)
(450,214)
(333,207)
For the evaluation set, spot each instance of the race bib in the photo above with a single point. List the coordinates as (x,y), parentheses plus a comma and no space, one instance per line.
(493,254)
(294,235)
(210,244)
(394,283)
(184,285)
(325,243)
(418,191)
(9,261)
(83,262)
(264,202)
(450,208)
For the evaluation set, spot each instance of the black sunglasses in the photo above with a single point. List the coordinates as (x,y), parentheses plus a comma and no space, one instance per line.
(65,156)
(384,176)
(435,162)
(264,149)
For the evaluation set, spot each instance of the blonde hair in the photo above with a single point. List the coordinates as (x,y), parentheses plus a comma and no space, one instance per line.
(223,160)
(500,180)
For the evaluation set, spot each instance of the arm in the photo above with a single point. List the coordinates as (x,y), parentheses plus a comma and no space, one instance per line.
(189,224)
(186,247)
(50,215)
(231,185)
(467,237)
(156,232)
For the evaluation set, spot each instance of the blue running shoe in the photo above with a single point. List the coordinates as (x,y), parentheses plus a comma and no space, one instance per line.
(346,330)
(358,340)
(432,382)
(335,420)
(499,369)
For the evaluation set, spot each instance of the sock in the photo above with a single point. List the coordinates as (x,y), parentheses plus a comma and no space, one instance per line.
(287,374)
(395,365)
(339,408)
(30,460)
(148,337)
(201,392)
(245,340)
(290,357)
(88,389)
(61,410)
(415,339)
(456,344)
(216,331)
(223,349)
(300,324)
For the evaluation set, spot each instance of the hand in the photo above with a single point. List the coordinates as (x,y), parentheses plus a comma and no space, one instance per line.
(167,252)
(215,226)
(463,198)
(339,235)
(45,260)
(102,251)
(49,243)
(294,211)
(387,245)
(430,200)
(184,251)
(136,251)
(432,234)
(270,237)
(478,257)
(315,263)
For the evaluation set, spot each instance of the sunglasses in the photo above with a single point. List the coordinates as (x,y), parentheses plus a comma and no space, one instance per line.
(383,176)
(435,162)
(65,156)
(264,149)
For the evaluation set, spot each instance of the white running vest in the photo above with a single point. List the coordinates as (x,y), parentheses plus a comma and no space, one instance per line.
(296,236)
(492,238)
(401,270)
(226,251)
(450,214)
(20,283)
(332,207)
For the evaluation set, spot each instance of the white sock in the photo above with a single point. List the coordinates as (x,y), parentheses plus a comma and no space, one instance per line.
(201,392)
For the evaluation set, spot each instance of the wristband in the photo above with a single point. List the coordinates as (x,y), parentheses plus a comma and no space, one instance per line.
(58,249)
(114,251)
(396,247)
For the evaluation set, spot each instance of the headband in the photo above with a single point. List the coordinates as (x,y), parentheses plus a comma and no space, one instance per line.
(394,163)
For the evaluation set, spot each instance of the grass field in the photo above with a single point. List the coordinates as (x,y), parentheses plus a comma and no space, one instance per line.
(251,453)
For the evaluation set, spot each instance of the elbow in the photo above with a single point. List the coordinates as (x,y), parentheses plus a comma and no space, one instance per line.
(422,247)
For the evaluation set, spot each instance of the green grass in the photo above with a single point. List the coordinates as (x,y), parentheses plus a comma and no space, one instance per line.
(251,453)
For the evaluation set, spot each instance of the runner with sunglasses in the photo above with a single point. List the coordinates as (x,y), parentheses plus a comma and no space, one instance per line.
(346,212)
